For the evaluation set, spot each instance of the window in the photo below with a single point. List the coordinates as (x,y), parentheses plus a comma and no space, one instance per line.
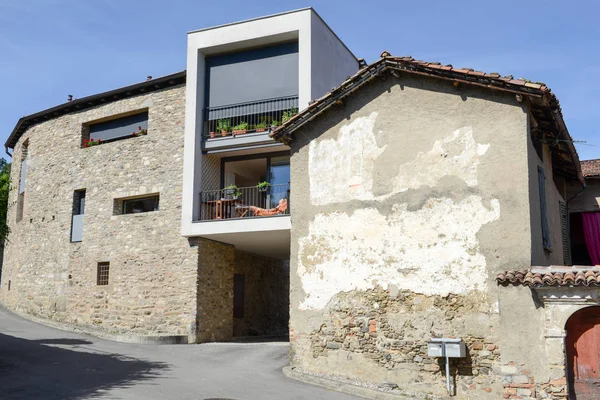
(238,295)
(102,277)
(137,205)
(543,209)
(77,219)
(23,175)
(119,128)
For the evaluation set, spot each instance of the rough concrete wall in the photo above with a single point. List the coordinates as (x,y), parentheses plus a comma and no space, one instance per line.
(215,291)
(588,200)
(267,306)
(405,210)
(554,195)
(153,270)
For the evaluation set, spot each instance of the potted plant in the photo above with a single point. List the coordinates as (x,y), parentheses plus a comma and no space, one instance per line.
(274,123)
(140,132)
(213,135)
(90,142)
(263,186)
(232,191)
(240,128)
(261,126)
(223,126)
(287,115)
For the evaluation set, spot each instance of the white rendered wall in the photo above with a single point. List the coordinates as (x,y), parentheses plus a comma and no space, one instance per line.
(323,60)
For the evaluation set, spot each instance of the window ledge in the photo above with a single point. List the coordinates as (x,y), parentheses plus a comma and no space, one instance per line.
(139,215)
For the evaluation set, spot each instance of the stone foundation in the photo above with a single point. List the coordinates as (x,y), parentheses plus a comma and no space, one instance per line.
(381,337)
(266,308)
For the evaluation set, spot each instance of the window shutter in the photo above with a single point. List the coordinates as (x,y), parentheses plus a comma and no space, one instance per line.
(23,174)
(543,208)
(564,224)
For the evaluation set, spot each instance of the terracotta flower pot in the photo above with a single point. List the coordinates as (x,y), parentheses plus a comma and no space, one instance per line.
(260,129)
(240,132)
(224,133)
(213,135)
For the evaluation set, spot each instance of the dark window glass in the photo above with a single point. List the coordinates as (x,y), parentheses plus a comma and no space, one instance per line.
(141,205)
(103,268)
(79,202)
(119,128)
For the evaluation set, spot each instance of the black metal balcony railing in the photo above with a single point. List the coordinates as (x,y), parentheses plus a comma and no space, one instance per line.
(242,118)
(245,202)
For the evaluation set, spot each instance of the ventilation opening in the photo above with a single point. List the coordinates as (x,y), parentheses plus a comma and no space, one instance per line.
(102,278)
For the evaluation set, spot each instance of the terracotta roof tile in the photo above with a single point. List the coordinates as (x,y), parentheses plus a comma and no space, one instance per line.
(408,64)
(551,276)
(590,168)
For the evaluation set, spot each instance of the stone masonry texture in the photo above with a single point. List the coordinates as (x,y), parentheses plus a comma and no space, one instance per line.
(153,269)
(267,288)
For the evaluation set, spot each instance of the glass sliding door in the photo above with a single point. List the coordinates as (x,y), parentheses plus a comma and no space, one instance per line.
(279,177)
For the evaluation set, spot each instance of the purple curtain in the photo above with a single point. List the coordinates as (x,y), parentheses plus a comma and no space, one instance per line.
(591,229)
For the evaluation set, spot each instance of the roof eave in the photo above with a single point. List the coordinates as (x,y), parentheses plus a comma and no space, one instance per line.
(89,102)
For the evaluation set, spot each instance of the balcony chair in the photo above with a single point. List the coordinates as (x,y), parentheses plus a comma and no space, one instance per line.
(242,211)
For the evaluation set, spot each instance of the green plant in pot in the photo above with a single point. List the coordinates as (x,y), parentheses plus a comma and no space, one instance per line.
(261,126)
(232,191)
(287,115)
(240,128)
(223,126)
(274,123)
(263,186)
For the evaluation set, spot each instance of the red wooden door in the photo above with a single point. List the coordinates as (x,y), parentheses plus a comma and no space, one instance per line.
(583,354)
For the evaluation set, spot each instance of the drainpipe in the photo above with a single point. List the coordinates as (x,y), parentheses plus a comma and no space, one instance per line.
(7,152)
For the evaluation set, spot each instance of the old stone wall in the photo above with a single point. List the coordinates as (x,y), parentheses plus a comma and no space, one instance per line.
(215,291)
(153,269)
(266,307)
(405,211)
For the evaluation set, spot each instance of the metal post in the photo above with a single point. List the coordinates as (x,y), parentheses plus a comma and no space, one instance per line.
(447,371)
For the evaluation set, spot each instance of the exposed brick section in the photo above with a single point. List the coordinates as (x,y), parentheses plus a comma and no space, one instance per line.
(519,384)
(359,323)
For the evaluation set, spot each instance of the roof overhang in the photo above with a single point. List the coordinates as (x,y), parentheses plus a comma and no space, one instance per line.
(546,111)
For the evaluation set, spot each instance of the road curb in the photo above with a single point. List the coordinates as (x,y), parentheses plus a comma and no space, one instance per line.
(343,387)
(117,337)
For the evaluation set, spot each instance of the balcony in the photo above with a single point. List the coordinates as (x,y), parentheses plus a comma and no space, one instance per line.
(251,219)
(246,126)
(244,203)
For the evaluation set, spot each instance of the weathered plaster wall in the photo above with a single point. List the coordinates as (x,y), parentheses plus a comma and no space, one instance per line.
(405,210)
(588,200)
(153,270)
(267,305)
(555,193)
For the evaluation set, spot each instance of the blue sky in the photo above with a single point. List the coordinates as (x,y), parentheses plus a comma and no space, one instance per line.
(52,48)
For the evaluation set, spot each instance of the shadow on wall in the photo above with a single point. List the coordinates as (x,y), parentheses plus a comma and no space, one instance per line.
(41,369)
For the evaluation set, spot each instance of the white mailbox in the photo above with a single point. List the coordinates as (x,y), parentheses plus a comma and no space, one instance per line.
(447,348)
(456,350)
(435,349)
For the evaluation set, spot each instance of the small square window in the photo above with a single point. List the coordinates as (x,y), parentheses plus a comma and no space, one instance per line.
(140,205)
(103,268)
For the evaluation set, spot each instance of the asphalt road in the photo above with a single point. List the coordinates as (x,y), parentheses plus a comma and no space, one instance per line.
(38,362)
